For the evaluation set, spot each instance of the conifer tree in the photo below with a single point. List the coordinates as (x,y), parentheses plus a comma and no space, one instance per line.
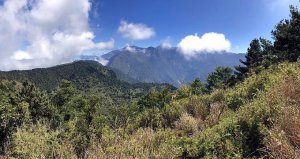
(268,56)
(253,59)
(287,37)
(198,87)
(221,78)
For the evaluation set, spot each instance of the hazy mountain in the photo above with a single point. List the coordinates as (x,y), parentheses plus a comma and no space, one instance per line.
(162,65)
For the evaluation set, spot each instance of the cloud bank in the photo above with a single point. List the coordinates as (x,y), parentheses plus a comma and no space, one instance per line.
(42,33)
(135,31)
(208,43)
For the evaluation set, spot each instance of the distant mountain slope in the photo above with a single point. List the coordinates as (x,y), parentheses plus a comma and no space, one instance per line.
(167,65)
(88,76)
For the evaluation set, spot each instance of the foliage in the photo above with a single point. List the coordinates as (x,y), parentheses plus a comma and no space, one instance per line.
(263,53)
(38,141)
(155,99)
(88,77)
(198,87)
(286,37)
(259,55)
(221,78)
(21,103)
(254,119)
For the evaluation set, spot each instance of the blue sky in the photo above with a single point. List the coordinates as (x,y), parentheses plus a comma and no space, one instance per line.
(43,33)
(239,20)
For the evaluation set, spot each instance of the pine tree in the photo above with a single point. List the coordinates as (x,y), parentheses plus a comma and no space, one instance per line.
(254,55)
(221,78)
(268,56)
(198,87)
(287,37)
(253,59)
(63,93)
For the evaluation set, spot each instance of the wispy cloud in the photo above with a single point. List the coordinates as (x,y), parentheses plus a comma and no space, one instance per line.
(166,43)
(276,5)
(135,31)
(42,33)
(105,45)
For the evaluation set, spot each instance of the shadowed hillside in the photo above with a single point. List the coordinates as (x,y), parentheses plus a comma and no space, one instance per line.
(88,76)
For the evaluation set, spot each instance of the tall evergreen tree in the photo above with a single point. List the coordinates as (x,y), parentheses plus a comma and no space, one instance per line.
(253,59)
(221,78)
(268,56)
(198,87)
(287,37)
(64,93)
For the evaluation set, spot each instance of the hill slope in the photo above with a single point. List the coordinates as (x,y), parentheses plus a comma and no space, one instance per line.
(88,76)
(258,118)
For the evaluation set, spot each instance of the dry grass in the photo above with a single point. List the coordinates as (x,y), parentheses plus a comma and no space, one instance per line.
(278,145)
(216,111)
(283,141)
(144,143)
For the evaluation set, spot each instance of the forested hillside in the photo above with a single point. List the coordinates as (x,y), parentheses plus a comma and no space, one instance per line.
(87,76)
(250,112)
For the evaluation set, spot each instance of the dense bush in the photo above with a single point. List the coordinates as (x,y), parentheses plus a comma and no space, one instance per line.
(38,141)
(256,118)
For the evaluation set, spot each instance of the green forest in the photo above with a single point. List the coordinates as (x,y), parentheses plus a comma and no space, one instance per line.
(251,111)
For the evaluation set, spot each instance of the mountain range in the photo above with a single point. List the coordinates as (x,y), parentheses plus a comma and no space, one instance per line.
(164,65)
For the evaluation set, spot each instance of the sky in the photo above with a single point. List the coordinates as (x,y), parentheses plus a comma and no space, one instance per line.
(43,33)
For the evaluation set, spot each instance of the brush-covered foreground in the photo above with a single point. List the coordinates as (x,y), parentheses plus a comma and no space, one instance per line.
(259,118)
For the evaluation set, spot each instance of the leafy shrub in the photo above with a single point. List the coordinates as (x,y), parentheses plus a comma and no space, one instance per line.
(171,113)
(187,124)
(197,106)
(149,118)
(37,141)
(144,143)
(183,92)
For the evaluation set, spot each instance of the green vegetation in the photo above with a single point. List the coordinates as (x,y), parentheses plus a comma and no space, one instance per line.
(256,118)
(253,114)
(263,53)
(88,77)
(286,37)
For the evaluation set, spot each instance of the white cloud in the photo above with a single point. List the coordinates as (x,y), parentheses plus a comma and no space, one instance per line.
(209,43)
(42,33)
(135,31)
(21,55)
(106,45)
(166,45)
(103,61)
(130,48)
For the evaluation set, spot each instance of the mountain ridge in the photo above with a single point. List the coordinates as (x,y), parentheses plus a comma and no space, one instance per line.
(161,65)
